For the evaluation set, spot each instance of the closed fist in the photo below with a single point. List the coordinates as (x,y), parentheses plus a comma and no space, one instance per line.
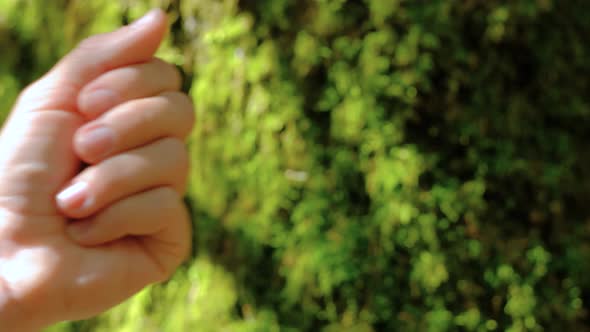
(75,242)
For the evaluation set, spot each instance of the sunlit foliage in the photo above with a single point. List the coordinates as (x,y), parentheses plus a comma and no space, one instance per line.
(375,165)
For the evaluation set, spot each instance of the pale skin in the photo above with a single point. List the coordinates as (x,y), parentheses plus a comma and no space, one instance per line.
(76,241)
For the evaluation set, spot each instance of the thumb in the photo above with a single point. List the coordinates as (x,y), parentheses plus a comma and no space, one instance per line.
(135,43)
(36,155)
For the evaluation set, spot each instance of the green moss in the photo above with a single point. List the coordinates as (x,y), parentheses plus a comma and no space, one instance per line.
(363,165)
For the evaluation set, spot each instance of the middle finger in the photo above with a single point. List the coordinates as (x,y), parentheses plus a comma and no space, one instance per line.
(134,124)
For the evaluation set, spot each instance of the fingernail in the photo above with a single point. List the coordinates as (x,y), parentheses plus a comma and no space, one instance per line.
(95,103)
(75,197)
(96,141)
(145,19)
(79,229)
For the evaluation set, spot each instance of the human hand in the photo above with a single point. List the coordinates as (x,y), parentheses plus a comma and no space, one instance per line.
(74,243)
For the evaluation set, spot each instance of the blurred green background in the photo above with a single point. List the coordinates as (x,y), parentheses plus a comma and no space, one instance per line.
(368,165)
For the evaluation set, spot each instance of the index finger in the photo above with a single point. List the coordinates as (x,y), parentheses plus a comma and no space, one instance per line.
(127,83)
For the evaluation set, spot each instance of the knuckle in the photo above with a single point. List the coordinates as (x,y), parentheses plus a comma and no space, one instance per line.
(189,108)
(178,152)
(170,71)
(176,76)
(170,204)
(172,253)
(185,101)
(179,166)
(168,197)
(185,108)
(184,164)
(173,145)
(185,244)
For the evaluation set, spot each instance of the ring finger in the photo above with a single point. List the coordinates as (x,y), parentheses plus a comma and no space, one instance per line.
(162,163)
